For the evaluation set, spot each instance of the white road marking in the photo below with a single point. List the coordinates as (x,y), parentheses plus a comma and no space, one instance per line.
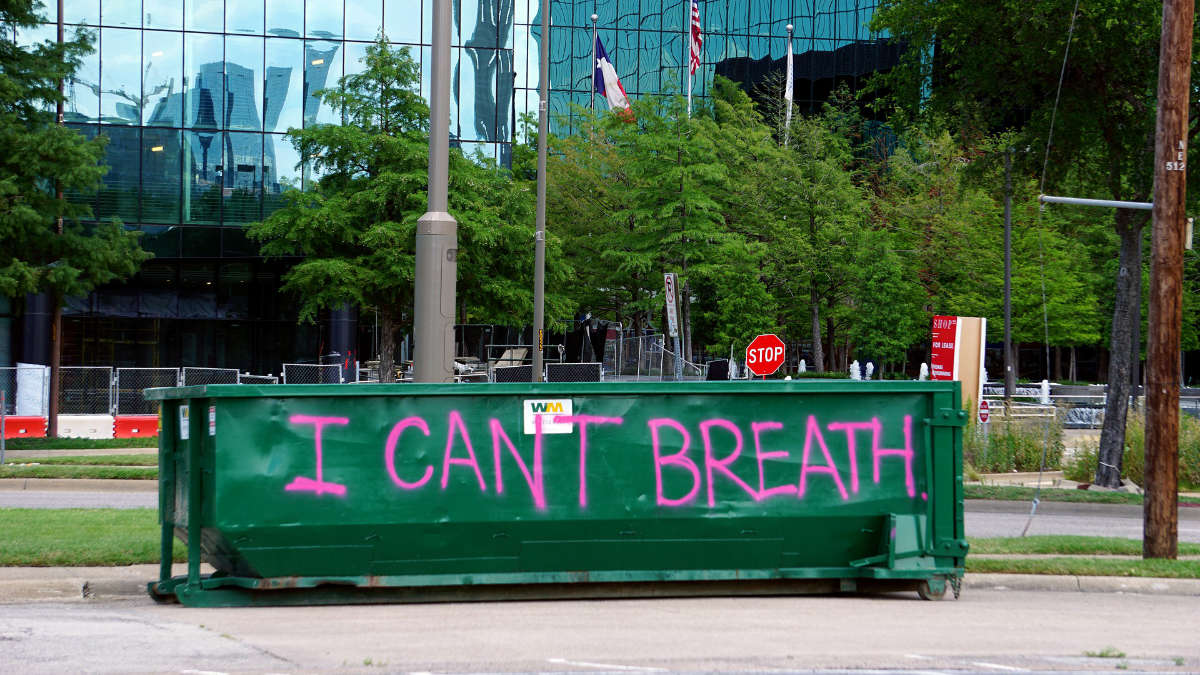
(997,666)
(607,666)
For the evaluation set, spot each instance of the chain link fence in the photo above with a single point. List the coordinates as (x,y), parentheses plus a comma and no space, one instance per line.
(193,375)
(85,390)
(312,373)
(131,382)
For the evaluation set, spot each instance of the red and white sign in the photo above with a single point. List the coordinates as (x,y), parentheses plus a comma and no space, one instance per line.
(764,354)
(942,363)
(984,413)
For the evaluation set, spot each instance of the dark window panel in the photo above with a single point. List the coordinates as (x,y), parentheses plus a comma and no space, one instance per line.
(200,242)
(235,244)
(120,193)
(162,159)
(204,166)
(161,240)
(242,192)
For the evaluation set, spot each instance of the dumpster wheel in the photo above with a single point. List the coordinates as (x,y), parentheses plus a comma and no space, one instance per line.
(932,589)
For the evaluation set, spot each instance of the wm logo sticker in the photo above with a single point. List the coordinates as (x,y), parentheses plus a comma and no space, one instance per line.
(547,409)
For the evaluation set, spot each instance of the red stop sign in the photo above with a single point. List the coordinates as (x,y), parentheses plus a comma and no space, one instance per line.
(764,354)
(984,412)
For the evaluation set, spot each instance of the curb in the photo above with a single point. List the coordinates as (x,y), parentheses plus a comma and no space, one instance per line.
(81,584)
(79,484)
(1082,584)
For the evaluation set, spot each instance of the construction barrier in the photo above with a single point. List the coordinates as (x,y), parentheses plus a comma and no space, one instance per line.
(24,426)
(135,426)
(318,494)
(85,426)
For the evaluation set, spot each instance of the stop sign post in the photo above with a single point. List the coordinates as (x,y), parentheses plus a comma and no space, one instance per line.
(764,354)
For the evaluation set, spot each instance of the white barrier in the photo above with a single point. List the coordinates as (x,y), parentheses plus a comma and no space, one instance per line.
(85,426)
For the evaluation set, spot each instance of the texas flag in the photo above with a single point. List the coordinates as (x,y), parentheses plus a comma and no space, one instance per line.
(607,84)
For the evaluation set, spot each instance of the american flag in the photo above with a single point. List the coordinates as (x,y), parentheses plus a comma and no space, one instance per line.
(697,39)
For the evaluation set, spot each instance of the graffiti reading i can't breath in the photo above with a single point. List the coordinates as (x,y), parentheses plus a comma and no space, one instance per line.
(673,448)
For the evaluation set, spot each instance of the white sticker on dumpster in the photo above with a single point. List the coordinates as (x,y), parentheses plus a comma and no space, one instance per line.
(212,420)
(547,409)
(183,422)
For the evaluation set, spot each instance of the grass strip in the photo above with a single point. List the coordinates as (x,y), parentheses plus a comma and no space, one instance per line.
(1067,545)
(70,471)
(1025,494)
(79,443)
(81,537)
(90,460)
(1087,567)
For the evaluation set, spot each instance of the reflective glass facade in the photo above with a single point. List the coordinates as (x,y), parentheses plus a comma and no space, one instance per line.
(195,96)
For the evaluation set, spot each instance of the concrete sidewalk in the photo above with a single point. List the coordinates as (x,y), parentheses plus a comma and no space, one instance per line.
(79,584)
(79,484)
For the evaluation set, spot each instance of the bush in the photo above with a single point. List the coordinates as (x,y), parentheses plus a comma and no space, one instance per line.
(1013,444)
(1082,466)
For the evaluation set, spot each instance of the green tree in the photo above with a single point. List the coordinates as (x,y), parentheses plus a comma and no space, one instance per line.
(996,65)
(356,228)
(45,245)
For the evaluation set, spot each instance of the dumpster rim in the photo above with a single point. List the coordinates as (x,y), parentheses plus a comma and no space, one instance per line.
(549,388)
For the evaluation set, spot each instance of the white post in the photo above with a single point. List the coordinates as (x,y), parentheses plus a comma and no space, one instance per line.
(593,103)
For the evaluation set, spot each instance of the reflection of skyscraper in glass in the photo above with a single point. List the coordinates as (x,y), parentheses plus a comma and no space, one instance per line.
(492,69)
(276,89)
(316,70)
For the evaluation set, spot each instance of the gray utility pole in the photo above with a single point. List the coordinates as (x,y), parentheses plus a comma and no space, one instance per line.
(55,298)
(539,235)
(1010,376)
(1161,512)
(437,231)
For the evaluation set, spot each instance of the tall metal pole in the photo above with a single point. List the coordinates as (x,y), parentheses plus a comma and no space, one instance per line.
(687,51)
(539,235)
(55,299)
(1161,511)
(437,231)
(593,102)
(1010,376)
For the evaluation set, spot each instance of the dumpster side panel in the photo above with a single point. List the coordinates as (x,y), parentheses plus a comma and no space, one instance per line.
(597,479)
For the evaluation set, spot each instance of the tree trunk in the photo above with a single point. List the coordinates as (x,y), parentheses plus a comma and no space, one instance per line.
(1073,375)
(1135,346)
(387,346)
(1116,405)
(818,352)
(1058,371)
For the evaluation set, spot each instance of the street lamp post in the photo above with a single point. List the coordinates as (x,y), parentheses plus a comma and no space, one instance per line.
(539,235)
(437,231)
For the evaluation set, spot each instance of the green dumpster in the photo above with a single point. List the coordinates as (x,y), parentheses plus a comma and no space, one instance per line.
(360,493)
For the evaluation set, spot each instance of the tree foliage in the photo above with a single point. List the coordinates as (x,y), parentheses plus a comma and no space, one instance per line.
(355,229)
(39,158)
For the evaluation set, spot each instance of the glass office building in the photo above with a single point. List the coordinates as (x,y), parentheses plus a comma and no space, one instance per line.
(195,97)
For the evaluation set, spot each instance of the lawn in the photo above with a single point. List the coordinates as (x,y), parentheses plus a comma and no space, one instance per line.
(80,537)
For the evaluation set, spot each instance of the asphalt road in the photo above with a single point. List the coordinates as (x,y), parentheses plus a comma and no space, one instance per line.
(983,632)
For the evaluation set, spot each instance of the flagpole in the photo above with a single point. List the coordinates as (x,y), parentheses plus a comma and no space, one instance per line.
(787,90)
(594,18)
